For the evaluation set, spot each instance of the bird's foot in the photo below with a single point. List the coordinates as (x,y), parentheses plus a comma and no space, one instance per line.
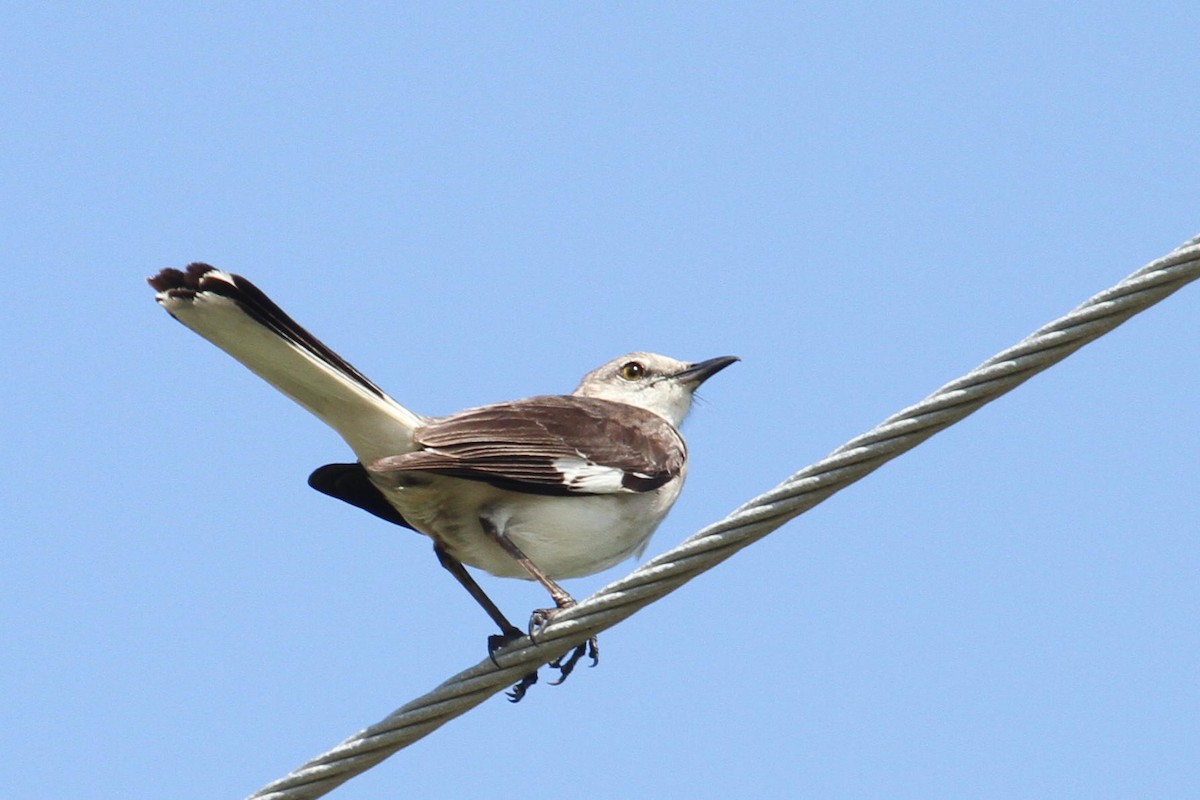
(565,664)
(498,641)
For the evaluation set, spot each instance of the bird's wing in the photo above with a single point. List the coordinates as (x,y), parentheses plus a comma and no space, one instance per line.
(558,445)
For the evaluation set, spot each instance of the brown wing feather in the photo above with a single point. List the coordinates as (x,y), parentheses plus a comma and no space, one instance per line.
(515,445)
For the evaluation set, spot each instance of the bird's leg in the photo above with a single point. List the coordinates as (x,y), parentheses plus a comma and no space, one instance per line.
(558,594)
(509,632)
(542,616)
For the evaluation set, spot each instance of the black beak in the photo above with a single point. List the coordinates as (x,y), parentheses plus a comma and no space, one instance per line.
(695,374)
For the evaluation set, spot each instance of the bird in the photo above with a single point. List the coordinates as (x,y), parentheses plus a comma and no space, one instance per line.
(543,488)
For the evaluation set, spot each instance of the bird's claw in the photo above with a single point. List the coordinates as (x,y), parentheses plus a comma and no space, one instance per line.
(538,620)
(498,641)
(565,664)
(565,667)
(517,692)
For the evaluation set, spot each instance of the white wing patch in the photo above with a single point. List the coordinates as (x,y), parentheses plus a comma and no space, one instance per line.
(582,475)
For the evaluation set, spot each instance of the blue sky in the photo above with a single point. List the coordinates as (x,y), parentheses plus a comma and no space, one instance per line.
(477,202)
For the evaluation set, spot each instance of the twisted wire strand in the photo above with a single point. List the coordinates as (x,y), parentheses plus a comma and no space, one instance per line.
(750,522)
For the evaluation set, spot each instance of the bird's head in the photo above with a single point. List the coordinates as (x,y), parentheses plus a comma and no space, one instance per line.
(656,383)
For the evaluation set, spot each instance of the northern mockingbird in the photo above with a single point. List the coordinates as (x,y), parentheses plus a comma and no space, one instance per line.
(545,488)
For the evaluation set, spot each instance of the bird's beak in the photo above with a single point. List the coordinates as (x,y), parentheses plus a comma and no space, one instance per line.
(695,374)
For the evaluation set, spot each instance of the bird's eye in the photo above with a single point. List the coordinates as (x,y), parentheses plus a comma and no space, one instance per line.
(633,370)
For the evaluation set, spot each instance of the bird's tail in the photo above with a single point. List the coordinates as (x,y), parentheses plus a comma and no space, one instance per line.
(237,317)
